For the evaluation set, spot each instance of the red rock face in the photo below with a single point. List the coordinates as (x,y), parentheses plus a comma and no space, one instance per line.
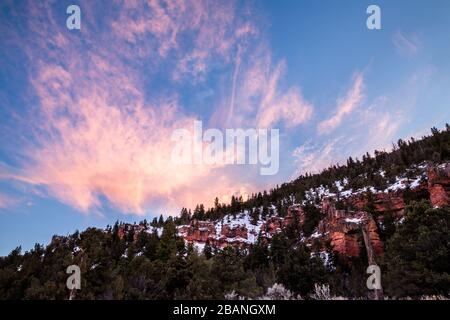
(327,206)
(236,232)
(127,228)
(183,230)
(375,240)
(272,226)
(200,231)
(294,212)
(345,228)
(357,201)
(439,185)
(346,244)
(392,201)
(121,232)
(223,242)
(203,231)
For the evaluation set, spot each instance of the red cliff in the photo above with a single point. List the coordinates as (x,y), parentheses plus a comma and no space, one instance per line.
(439,185)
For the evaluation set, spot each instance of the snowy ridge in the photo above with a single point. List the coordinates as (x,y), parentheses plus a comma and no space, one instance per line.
(242,220)
(401,183)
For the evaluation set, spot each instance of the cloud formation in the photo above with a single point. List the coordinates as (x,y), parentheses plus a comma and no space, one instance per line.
(313,158)
(98,132)
(258,98)
(345,105)
(375,128)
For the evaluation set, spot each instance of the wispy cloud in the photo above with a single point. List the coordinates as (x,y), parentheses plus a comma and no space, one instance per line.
(345,105)
(313,158)
(194,35)
(289,106)
(406,44)
(258,97)
(95,131)
(375,127)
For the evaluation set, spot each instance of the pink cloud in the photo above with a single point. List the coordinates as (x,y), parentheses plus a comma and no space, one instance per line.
(257,97)
(96,134)
(289,107)
(198,33)
(345,105)
(101,139)
(99,132)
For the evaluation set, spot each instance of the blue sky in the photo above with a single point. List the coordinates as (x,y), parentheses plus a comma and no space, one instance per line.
(86,115)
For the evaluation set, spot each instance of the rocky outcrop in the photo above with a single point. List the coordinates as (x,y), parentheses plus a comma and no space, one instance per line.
(439,185)
(347,244)
(275,224)
(205,231)
(373,243)
(344,229)
(223,242)
(392,201)
(356,201)
(295,213)
(199,231)
(272,226)
(382,202)
(126,229)
(436,189)
(234,232)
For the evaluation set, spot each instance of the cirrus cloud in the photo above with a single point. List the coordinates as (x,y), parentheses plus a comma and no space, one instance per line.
(95,131)
(345,105)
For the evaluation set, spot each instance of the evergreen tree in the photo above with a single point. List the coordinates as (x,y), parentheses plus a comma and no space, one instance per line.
(418,254)
(207,250)
(299,272)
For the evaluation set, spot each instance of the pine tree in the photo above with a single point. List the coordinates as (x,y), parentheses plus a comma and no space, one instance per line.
(418,254)
(300,272)
(160,221)
(207,250)
(255,215)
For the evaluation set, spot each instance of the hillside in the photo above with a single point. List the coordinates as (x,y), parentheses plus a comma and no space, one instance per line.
(390,209)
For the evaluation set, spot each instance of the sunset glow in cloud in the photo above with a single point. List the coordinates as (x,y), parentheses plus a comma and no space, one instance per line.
(345,105)
(98,131)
